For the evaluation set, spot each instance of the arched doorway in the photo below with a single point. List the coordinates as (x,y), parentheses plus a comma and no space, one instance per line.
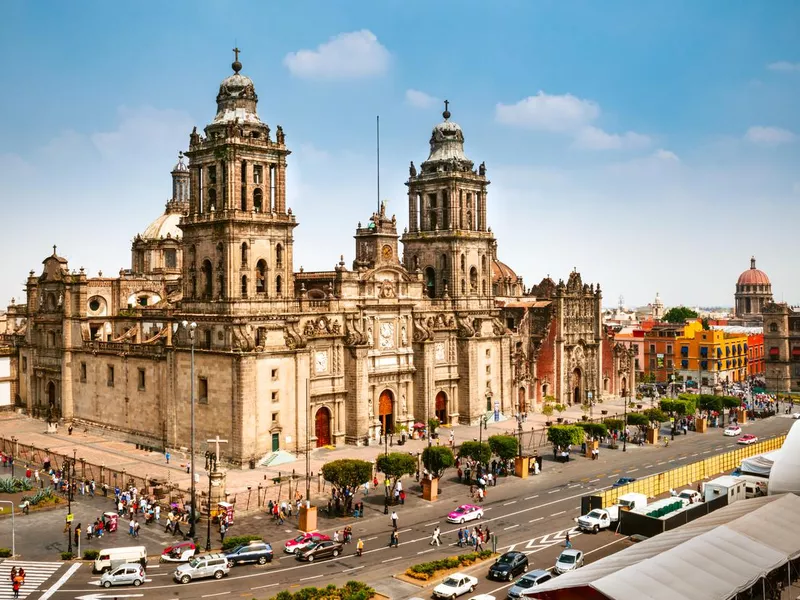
(386,411)
(441,407)
(322,427)
(576,386)
(51,394)
(521,407)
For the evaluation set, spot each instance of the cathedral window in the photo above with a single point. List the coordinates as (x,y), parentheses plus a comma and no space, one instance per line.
(278,285)
(244,254)
(258,200)
(202,390)
(483,287)
(243,203)
(463,287)
(773,327)
(193,286)
(473,280)
(142,380)
(261,277)
(170,258)
(430,282)
(208,274)
(272,177)
(244,286)
(463,263)
(212,200)
(110,376)
(258,174)
(279,256)
(483,264)
(212,174)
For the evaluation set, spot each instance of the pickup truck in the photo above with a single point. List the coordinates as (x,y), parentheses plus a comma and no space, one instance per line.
(602,518)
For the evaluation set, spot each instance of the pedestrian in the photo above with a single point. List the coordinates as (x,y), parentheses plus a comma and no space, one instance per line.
(366,488)
(15,585)
(336,536)
(176,528)
(69,429)
(131,525)
(435,537)
(89,531)
(26,507)
(402,497)
(136,526)
(359,547)
(167,456)
(567,543)
(394,539)
(460,537)
(222,530)
(394,519)
(77,535)
(281,517)
(452,439)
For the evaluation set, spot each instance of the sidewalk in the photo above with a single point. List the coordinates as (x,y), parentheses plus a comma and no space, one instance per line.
(99,449)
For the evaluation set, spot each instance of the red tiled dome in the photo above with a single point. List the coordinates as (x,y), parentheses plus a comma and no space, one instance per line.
(753,276)
(501,270)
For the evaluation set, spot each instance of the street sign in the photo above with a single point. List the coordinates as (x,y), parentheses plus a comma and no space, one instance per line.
(70,517)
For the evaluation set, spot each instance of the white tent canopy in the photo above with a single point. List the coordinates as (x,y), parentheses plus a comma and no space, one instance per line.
(785,474)
(761,464)
(715,556)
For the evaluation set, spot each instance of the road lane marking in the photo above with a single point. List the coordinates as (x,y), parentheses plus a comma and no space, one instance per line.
(224,593)
(511,502)
(536,519)
(384,561)
(671,460)
(261,587)
(720,447)
(706,451)
(405,530)
(632,470)
(424,551)
(561,512)
(682,457)
(647,466)
(55,587)
(510,527)
(375,537)
(531,497)
(429,524)
(554,491)
(573,486)
(696,454)
(660,463)
(308,578)
(594,480)
(345,571)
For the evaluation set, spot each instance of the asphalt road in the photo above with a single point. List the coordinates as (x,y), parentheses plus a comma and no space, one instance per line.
(528,515)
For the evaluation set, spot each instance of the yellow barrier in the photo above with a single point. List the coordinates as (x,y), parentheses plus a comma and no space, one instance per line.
(655,485)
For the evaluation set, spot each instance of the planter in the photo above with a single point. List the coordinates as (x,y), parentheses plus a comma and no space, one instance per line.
(521,466)
(741,415)
(430,489)
(592,445)
(548,423)
(308,518)
(560,419)
(639,406)
(584,418)
(603,412)
(701,425)
(652,435)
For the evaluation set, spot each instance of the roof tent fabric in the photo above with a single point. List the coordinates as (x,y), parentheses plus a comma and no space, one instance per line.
(761,464)
(785,474)
(715,556)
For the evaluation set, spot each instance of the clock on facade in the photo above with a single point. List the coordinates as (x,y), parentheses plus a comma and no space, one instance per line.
(321,362)
(386,251)
(387,335)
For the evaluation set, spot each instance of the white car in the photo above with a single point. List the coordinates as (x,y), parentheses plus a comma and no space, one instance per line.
(569,560)
(455,585)
(796,415)
(733,430)
(690,497)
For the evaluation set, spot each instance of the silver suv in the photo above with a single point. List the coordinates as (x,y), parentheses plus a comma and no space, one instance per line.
(208,565)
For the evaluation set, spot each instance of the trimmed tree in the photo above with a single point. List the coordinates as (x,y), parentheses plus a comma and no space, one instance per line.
(477,451)
(565,435)
(504,447)
(594,430)
(437,459)
(639,420)
(655,415)
(396,464)
(614,424)
(547,410)
(347,474)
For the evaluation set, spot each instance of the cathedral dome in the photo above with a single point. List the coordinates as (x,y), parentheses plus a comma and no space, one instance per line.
(447,142)
(501,271)
(164,226)
(753,276)
(237,99)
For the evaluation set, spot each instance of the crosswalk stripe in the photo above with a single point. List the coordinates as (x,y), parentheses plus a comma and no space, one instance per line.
(36,573)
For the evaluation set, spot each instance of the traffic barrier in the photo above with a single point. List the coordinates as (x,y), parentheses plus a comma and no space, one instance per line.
(655,485)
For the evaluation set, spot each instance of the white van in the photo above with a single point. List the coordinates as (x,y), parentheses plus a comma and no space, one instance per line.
(113,557)
(755,486)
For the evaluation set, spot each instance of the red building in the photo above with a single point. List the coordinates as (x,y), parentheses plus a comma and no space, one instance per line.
(755,354)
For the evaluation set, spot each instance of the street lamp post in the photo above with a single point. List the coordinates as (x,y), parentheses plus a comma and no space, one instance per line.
(190,327)
(212,464)
(625,427)
(519,432)
(69,502)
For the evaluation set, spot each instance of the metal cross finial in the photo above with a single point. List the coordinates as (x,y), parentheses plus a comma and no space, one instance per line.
(54,249)
(236,53)
(446,113)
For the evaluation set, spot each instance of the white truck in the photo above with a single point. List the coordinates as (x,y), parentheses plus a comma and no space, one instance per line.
(602,518)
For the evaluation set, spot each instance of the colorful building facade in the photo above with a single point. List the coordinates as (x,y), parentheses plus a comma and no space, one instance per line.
(714,357)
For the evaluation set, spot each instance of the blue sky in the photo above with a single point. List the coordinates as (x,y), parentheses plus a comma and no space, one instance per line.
(653,145)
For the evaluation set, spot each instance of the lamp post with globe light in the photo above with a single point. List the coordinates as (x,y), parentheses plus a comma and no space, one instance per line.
(191,327)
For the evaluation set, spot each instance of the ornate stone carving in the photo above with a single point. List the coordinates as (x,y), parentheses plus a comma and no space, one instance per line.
(465,329)
(243,337)
(422,332)
(386,289)
(293,338)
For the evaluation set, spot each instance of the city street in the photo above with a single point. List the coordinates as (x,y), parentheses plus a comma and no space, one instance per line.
(528,515)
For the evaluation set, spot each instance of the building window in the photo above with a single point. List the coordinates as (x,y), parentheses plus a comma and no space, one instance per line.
(274,374)
(488,353)
(684,364)
(652,348)
(83,372)
(278,256)
(669,363)
(773,327)
(24,364)
(275,396)
(244,286)
(278,285)
(652,364)
(258,200)
(212,200)
(258,174)
(110,376)
(142,381)
(488,370)
(212,174)
(244,254)
(275,418)
(170,259)
(261,277)
(142,300)
(202,390)
(669,348)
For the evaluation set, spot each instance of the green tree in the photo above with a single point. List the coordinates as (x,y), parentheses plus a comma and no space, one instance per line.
(564,435)
(396,464)
(547,409)
(505,447)
(709,403)
(347,474)
(477,451)
(679,314)
(437,459)
(594,430)
(655,415)
(614,424)
(639,420)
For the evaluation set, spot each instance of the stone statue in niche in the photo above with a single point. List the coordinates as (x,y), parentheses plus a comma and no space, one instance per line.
(194,138)
(403,336)
(60,299)
(371,414)
(403,404)
(370,337)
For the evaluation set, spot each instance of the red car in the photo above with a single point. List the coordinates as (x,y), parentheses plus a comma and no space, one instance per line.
(303,541)
(748,439)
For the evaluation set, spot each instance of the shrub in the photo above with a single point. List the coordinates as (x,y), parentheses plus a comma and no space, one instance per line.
(5,552)
(437,459)
(90,554)
(428,570)
(238,540)
(504,446)
(67,556)
(352,590)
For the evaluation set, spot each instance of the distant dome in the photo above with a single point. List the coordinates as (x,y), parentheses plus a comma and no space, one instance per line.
(180,166)
(501,271)
(753,276)
(164,226)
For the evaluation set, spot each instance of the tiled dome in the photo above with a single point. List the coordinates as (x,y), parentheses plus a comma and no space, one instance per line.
(753,276)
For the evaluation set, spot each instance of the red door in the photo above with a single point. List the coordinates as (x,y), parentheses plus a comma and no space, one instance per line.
(441,407)
(385,411)
(322,427)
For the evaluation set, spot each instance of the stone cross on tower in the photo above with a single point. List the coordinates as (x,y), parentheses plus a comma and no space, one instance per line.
(216,441)
(236,53)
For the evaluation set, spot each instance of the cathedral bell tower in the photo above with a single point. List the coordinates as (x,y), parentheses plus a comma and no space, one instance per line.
(448,239)
(237,242)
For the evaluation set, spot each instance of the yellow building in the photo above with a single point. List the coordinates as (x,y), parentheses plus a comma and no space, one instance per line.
(712,356)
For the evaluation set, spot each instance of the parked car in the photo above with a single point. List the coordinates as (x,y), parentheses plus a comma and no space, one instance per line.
(526,586)
(747,439)
(508,566)
(125,574)
(207,565)
(690,496)
(464,513)
(256,551)
(569,560)
(455,585)
(180,552)
(323,549)
(623,481)
(796,415)
(304,540)
(732,430)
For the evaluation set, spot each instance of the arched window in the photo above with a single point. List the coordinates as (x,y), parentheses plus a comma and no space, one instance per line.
(483,264)
(261,277)
(258,200)
(208,279)
(243,201)
(194,286)
(430,282)
(773,327)
(278,285)
(463,287)
(212,200)
(483,287)
(244,254)
(244,286)
(463,263)
(473,280)
(279,256)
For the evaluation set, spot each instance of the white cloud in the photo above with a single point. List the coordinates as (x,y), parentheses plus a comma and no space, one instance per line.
(769,136)
(569,115)
(666,155)
(593,138)
(545,112)
(419,99)
(784,65)
(345,56)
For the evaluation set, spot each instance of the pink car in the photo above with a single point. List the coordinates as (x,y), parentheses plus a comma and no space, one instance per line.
(303,541)
(747,439)
(464,513)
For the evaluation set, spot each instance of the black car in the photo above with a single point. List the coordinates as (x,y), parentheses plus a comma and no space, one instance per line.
(322,549)
(256,551)
(508,566)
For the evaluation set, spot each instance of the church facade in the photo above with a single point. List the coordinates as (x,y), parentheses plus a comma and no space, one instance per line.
(285,359)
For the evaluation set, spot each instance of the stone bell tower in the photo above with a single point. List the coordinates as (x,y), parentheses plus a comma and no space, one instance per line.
(448,239)
(237,243)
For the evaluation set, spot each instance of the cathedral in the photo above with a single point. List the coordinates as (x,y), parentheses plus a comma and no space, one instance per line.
(278,359)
